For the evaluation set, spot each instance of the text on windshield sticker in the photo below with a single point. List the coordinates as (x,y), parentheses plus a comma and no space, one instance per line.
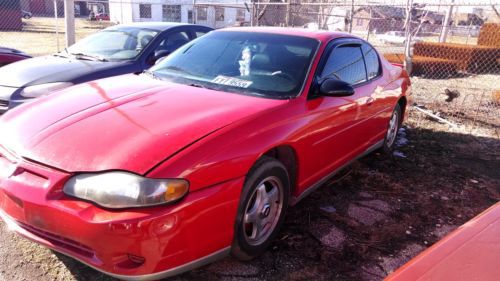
(231,81)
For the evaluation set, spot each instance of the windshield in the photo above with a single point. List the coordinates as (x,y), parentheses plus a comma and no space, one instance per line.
(262,64)
(123,43)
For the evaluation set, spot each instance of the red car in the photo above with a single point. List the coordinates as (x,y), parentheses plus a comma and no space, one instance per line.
(146,176)
(8,55)
(471,252)
(99,17)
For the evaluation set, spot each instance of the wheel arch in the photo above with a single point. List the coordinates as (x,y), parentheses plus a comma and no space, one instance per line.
(287,155)
(402,104)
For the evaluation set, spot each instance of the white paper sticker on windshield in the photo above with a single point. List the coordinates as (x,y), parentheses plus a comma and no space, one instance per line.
(231,81)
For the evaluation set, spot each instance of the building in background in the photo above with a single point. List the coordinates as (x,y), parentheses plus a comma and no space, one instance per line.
(46,8)
(10,15)
(216,16)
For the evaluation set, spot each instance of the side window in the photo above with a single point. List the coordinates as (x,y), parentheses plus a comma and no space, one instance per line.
(346,63)
(144,37)
(372,61)
(173,41)
(200,33)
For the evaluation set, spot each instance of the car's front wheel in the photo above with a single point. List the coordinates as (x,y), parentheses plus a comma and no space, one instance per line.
(392,130)
(262,208)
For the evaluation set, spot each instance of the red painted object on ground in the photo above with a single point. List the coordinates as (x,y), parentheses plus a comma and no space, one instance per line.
(226,131)
(471,252)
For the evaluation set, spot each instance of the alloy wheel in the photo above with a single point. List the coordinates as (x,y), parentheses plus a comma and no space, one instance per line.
(263,211)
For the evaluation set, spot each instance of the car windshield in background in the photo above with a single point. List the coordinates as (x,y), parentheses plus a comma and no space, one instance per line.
(113,44)
(262,64)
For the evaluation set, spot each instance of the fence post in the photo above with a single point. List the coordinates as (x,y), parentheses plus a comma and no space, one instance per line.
(56,25)
(408,60)
(287,15)
(446,23)
(351,16)
(194,12)
(69,17)
(253,14)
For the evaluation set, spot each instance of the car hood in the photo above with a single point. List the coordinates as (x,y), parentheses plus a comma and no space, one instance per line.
(49,69)
(126,122)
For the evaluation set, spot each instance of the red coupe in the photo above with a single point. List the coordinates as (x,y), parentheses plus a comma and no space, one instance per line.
(146,176)
(8,55)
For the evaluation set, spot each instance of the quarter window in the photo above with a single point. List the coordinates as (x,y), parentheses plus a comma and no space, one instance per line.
(346,63)
(372,61)
(200,33)
(173,41)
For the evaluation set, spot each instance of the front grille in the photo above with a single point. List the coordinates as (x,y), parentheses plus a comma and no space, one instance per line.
(4,104)
(5,96)
(6,167)
(59,241)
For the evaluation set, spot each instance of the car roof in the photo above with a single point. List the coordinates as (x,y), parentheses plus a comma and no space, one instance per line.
(321,35)
(159,26)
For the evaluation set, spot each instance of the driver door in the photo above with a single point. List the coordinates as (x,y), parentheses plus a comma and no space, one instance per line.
(337,124)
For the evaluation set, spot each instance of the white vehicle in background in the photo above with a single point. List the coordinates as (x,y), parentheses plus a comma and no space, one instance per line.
(396,37)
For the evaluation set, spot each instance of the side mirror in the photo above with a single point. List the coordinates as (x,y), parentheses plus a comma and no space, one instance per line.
(335,88)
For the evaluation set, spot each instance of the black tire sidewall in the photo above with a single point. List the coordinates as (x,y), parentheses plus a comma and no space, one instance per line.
(264,168)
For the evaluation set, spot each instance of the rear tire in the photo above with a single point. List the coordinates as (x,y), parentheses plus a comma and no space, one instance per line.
(392,130)
(262,208)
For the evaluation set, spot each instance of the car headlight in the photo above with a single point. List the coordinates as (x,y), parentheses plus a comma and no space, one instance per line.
(125,190)
(43,89)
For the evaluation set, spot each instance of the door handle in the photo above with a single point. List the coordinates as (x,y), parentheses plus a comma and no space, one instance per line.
(369,101)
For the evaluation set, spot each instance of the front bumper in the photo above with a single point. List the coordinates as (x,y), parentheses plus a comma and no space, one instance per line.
(136,244)
(10,98)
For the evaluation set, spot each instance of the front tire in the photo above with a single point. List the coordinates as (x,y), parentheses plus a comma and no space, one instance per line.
(392,130)
(262,208)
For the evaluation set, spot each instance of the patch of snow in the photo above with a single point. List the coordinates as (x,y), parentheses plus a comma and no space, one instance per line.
(328,209)
(401,139)
(399,154)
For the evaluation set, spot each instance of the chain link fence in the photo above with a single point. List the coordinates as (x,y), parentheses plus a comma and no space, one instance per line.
(451,48)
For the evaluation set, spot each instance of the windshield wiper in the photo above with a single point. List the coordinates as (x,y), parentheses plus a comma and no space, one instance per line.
(152,74)
(178,69)
(88,57)
(60,55)
(198,86)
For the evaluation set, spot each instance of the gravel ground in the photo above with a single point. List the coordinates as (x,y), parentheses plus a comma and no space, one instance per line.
(362,225)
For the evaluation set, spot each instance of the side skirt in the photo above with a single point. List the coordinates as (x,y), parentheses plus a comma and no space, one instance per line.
(296,199)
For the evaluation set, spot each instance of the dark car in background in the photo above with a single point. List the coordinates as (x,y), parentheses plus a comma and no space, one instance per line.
(116,50)
(8,55)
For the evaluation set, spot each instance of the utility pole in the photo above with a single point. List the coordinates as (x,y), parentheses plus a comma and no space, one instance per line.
(446,23)
(69,20)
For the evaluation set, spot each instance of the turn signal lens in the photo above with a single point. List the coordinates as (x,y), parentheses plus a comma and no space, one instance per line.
(175,190)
